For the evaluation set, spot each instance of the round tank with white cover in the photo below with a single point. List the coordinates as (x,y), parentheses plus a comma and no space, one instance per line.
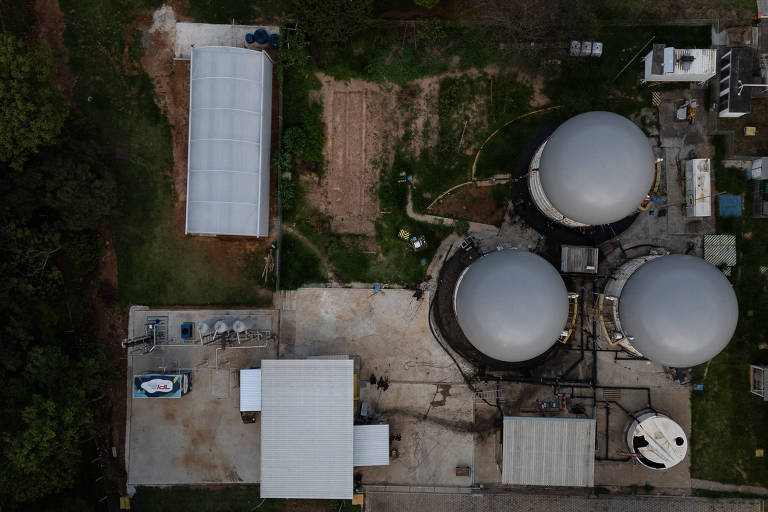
(596,168)
(221,326)
(511,305)
(203,328)
(239,326)
(656,440)
(678,310)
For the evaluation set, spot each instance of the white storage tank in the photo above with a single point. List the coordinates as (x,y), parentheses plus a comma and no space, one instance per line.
(221,326)
(656,441)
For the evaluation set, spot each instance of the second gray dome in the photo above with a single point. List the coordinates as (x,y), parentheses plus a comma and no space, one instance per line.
(679,310)
(597,168)
(511,305)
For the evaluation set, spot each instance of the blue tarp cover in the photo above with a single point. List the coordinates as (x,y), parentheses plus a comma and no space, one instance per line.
(730,206)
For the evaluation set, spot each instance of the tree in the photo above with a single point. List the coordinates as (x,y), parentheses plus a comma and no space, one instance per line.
(426,3)
(332,22)
(32,112)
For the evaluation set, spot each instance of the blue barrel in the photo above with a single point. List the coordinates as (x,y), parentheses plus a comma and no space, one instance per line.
(249,38)
(261,36)
(274,41)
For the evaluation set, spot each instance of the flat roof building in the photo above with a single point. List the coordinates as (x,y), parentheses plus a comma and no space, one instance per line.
(669,64)
(230,116)
(306,428)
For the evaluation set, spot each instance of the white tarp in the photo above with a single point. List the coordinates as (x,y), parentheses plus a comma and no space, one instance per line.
(371,446)
(230,112)
(250,390)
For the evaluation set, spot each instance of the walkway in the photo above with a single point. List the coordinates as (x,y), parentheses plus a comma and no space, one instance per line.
(427,502)
(717,486)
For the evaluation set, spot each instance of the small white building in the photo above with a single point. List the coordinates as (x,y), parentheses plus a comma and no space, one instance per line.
(669,64)
(759,169)
(758,381)
(698,188)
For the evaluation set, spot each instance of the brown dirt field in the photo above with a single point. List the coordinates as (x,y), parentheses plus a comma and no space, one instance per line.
(49,28)
(472,203)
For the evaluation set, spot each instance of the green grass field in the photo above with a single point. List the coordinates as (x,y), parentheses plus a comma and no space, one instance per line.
(728,421)
(115,103)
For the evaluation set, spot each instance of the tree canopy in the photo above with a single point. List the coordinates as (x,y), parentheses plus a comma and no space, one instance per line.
(332,21)
(33,113)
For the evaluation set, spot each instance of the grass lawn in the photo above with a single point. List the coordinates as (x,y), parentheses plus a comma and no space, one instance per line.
(728,421)
(114,102)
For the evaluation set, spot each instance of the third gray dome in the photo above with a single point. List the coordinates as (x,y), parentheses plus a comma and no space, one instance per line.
(597,168)
(679,310)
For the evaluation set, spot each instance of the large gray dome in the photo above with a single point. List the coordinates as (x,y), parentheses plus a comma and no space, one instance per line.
(680,310)
(511,305)
(597,168)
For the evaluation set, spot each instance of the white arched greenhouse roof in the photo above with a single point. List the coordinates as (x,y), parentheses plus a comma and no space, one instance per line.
(230,112)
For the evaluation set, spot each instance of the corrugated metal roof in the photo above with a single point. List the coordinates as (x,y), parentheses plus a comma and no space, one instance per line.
(578,259)
(371,446)
(250,390)
(306,429)
(230,115)
(698,195)
(548,451)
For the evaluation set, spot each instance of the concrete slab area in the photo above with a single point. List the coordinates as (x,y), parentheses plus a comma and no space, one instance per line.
(200,437)
(188,35)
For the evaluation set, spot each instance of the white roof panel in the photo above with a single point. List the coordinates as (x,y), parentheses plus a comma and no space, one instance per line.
(306,429)
(371,446)
(230,98)
(250,390)
(548,451)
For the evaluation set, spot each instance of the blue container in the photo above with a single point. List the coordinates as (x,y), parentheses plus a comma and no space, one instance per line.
(249,38)
(261,36)
(274,41)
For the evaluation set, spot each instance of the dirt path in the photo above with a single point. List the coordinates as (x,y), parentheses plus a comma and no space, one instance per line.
(332,272)
(49,25)
(474,227)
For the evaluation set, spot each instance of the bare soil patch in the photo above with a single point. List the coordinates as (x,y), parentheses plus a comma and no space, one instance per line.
(49,28)
(472,203)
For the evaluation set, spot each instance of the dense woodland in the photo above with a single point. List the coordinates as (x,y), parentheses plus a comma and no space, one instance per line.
(57,192)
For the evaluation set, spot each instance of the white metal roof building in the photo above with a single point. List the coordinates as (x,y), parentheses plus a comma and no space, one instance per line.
(230,114)
(371,446)
(306,429)
(250,390)
(669,64)
(548,451)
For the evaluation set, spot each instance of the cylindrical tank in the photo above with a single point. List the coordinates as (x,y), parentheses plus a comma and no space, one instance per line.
(221,326)
(656,440)
(203,328)
(511,305)
(595,169)
(678,310)
(239,326)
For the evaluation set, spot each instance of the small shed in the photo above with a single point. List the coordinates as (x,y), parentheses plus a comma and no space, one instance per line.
(250,390)
(578,260)
(758,381)
(371,445)
(735,67)
(729,205)
(548,451)
(669,64)
(698,188)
